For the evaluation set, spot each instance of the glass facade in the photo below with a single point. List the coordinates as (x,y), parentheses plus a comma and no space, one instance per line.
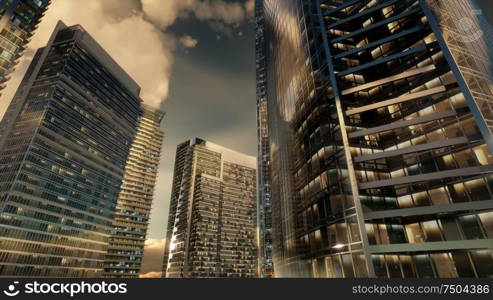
(379,139)
(212,217)
(18,20)
(264,207)
(66,138)
(133,209)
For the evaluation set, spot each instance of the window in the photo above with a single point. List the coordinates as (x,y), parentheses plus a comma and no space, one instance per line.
(470,227)
(414,233)
(432,231)
(463,264)
(483,261)
(444,265)
(450,229)
(487,222)
(423,266)
(439,196)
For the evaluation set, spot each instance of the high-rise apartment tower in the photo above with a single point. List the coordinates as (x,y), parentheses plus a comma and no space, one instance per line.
(133,209)
(66,137)
(18,20)
(212,217)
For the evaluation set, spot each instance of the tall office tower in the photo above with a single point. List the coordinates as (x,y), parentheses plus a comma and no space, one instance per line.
(379,125)
(126,245)
(264,209)
(212,216)
(18,20)
(68,133)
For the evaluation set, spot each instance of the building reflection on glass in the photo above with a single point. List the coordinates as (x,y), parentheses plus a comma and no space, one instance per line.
(380,137)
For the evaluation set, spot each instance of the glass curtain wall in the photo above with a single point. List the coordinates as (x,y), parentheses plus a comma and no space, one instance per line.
(379,156)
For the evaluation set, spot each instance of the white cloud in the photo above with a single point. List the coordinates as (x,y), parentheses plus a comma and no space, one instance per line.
(227,12)
(151,275)
(164,13)
(188,41)
(152,244)
(136,44)
(135,39)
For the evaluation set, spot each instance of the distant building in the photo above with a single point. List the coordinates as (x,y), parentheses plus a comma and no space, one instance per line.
(133,209)
(264,207)
(380,117)
(212,216)
(66,138)
(18,21)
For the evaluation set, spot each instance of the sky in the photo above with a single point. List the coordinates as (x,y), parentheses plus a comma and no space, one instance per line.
(487,7)
(212,96)
(193,59)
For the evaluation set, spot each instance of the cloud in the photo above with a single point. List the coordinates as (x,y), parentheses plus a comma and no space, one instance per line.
(227,12)
(226,29)
(188,41)
(122,27)
(152,244)
(153,257)
(164,13)
(122,34)
(120,9)
(222,28)
(250,7)
(151,275)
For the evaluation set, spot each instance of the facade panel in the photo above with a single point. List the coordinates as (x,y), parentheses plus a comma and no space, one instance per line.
(212,213)
(133,209)
(378,140)
(66,138)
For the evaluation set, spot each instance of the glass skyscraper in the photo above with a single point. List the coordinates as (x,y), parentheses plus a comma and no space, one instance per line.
(212,216)
(65,141)
(264,208)
(380,117)
(133,209)
(18,20)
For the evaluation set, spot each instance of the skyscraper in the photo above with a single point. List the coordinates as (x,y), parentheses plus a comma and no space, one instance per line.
(66,138)
(264,209)
(211,226)
(126,245)
(18,20)
(379,116)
